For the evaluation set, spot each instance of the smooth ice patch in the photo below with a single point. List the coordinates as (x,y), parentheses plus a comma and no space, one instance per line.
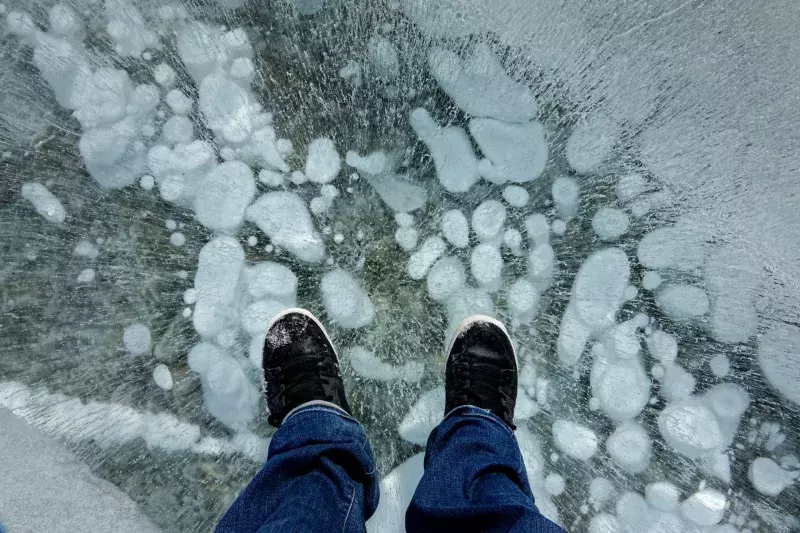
(691,428)
(284,217)
(479,85)
(345,300)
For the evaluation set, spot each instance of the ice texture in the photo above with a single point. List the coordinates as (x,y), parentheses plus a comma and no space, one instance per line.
(516,196)
(769,478)
(223,196)
(136,339)
(488,219)
(219,268)
(514,152)
(456,164)
(421,261)
(455,228)
(368,365)
(690,427)
(423,416)
(682,301)
(269,279)
(705,507)
(480,86)
(565,196)
(397,489)
(779,359)
(596,297)
(609,223)
(590,144)
(629,447)
(574,439)
(323,162)
(486,265)
(284,217)
(44,202)
(346,301)
(445,277)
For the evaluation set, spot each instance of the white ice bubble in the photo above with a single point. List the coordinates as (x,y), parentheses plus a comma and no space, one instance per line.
(86,249)
(486,265)
(219,268)
(769,478)
(651,280)
(406,238)
(455,162)
(270,178)
(44,202)
(555,484)
(224,195)
(398,191)
(164,75)
(601,490)
(271,280)
(522,300)
(346,301)
(662,495)
(609,223)
(662,346)
(565,196)
(538,229)
(179,103)
(705,507)
(423,416)
(590,144)
(323,162)
(516,196)
(445,277)
(542,266)
(178,129)
(691,428)
(630,186)
(682,302)
(488,219)
(574,440)
(597,295)
(177,239)
(86,275)
(467,302)
(368,365)
(128,29)
(398,489)
(455,228)
(604,523)
(284,217)
(720,365)
(404,220)
(422,260)
(163,377)
(479,85)
(147,182)
(779,359)
(514,152)
(559,227)
(677,383)
(512,238)
(257,315)
(383,57)
(681,246)
(629,446)
(136,339)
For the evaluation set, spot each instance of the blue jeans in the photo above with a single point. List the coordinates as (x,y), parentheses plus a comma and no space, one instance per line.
(320,477)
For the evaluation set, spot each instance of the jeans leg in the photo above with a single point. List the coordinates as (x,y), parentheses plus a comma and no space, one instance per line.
(474,480)
(320,476)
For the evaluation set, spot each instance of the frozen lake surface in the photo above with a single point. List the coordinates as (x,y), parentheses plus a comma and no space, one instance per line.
(618,184)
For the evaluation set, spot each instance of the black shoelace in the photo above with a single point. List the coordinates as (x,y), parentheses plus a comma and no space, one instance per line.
(485,385)
(303,378)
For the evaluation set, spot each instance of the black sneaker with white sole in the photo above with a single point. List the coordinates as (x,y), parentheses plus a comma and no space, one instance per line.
(300,365)
(481,368)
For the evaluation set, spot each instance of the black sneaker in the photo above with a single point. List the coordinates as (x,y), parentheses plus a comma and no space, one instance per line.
(299,365)
(482,368)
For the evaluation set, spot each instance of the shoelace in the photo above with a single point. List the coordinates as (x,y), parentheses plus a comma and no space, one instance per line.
(479,382)
(304,377)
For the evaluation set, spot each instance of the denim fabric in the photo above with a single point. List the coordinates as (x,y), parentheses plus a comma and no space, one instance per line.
(474,480)
(320,477)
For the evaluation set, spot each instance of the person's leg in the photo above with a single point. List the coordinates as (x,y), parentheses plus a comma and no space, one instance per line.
(475,477)
(320,474)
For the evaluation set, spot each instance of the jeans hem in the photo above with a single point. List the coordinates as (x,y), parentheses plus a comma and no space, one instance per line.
(323,407)
(477,412)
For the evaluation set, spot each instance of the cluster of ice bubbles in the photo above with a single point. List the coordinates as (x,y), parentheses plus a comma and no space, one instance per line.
(500,254)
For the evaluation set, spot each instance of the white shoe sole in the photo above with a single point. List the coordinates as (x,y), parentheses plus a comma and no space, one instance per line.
(482,319)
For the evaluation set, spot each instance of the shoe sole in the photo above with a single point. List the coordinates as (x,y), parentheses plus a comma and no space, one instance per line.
(480,319)
(307,314)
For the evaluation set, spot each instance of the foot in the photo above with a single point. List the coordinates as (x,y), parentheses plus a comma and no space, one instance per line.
(300,365)
(482,368)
